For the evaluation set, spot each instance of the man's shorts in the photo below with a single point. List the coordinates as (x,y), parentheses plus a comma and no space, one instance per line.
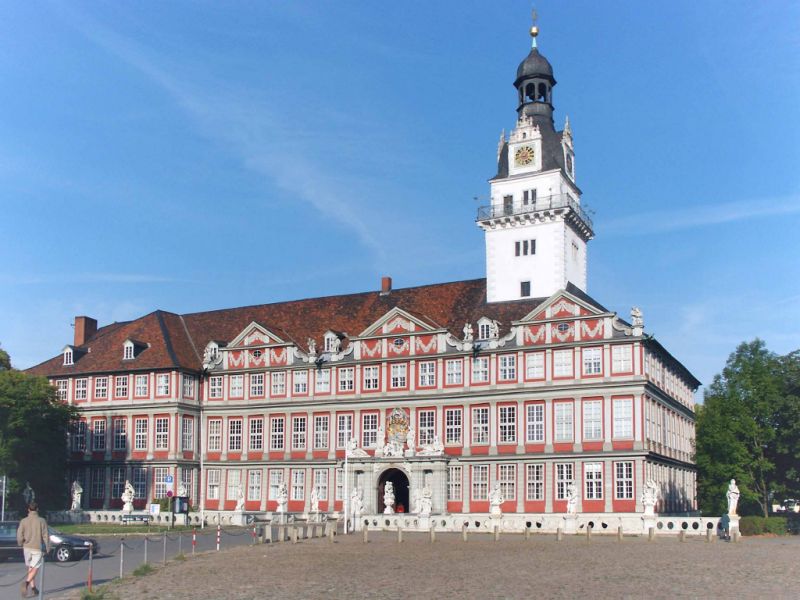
(33,558)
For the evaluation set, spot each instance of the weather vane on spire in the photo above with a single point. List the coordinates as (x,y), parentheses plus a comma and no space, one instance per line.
(534,28)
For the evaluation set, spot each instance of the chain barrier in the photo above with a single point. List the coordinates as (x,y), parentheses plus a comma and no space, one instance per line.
(74,563)
(16,582)
(243,532)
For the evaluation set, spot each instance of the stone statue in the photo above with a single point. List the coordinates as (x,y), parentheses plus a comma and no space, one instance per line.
(468,335)
(381,439)
(336,344)
(388,498)
(240,499)
(637,319)
(28,494)
(182,491)
(415,498)
(733,498)
(494,329)
(411,440)
(312,347)
(314,500)
(128,496)
(283,497)
(435,448)
(496,500)
(424,501)
(357,502)
(650,495)
(572,499)
(77,492)
(353,450)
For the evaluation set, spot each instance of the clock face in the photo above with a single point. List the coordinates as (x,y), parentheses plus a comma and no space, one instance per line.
(523,156)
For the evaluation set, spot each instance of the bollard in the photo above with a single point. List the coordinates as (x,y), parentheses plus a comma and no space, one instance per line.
(281,533)
(180,544)
(559,534)
(496,533)
(145,549)
(194,540)
(433,534)
(588,532)
(709,536)
(527,533)
(619,533)
(365,534)
(399,534)
(736,536)
(121,556)
(295,535)
(651,534)
(219,533)
(254,535)
(41,580)
(91,556)
(164,551)
(464,532)
(331,533)
(682,535)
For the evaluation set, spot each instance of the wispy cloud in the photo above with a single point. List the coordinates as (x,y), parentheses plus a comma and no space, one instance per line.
(262,142)
(701,215)
(86,278)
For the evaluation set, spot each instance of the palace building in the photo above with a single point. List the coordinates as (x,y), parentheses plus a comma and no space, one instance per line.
(520,382)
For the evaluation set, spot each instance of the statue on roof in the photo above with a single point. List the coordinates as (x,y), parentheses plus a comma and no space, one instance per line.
(637,319)
(468,335)
(312,346)
(494,329)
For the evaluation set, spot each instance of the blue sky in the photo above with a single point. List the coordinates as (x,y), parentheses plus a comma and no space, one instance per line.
(191,156)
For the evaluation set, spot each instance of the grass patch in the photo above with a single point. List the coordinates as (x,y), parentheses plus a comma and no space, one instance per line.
(112,528)
(143,569)
(761,525)
(100,593)
(180,556)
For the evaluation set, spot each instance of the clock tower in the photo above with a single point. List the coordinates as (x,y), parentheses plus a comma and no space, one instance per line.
(536,230)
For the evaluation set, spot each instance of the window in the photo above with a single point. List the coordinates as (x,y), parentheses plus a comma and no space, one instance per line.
(525,247)
(323,381)
(508,424)
(140,481)
(278,383)
(592,361)
(187,481)
(79,436)
(480,369)
(321,483)
(127,351)
(399,379)
(507,478)
(332,343)
(427,374)
(346,378)
(564,477)
(534,423)
(452,426)
(508,367)
(234,484)
(213,477)
(344,430)
(215,435)
(535,480)
(300,380)
(276,433)
(299,433)
(593,481)
(68,357)
(81,387)
(562,363)
(563,415)
(256,434)
(592,419)
(339,491)
(256,385)
(621,359)
(62,386)
(623,480)
(298,484)
(275,481)
(234,435)
(121,386)
(99,435)
(254,485)
(162,433)
(321,424)
(480,425)
(187,434)
(237,386)
(369,430)
(371,378)
(534,365)
(117,481)
(427,426)
(140,386)
(98,483)
(188,386)
(484,331)
(524,289)
(454,370)
(454,483)
(162,384)
(480,482)
(101,388)
(529,197)
(160,482)
(623,418)
(120,435)
(215,387)
(140,434)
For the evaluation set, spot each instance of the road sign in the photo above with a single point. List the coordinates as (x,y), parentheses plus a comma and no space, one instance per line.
(168,479)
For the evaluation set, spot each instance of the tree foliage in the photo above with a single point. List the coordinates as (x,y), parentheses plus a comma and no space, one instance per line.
(33,431)
(747,429)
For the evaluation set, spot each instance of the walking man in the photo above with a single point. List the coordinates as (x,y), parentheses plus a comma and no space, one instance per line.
(32,535)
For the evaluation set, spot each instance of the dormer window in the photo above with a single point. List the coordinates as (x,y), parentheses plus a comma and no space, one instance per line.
(68,360)
(127,351)
(488,329)
(332,342)
(484,331)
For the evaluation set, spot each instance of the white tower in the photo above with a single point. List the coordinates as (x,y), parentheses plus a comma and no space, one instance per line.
(536,231)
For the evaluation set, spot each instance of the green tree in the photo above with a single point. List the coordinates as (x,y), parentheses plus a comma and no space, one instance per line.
(744,430)
(33,430)
(5,360)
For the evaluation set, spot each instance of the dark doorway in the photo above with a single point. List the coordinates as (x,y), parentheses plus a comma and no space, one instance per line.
(400,483)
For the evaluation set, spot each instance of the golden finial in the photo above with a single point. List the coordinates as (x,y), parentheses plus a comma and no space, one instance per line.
(534,28)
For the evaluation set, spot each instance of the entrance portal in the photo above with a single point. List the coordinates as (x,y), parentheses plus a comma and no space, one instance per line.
(401,489)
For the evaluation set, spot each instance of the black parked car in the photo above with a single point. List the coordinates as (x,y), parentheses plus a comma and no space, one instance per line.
(64,546)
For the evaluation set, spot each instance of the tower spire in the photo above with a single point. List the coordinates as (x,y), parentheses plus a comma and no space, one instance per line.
(534,28)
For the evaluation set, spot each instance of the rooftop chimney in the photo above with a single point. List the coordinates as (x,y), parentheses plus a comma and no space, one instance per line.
(386,286)
(85,328)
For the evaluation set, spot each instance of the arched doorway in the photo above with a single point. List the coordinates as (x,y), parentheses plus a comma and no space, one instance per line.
(401,491)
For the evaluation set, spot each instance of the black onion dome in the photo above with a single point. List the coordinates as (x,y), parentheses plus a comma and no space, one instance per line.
(535,65)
